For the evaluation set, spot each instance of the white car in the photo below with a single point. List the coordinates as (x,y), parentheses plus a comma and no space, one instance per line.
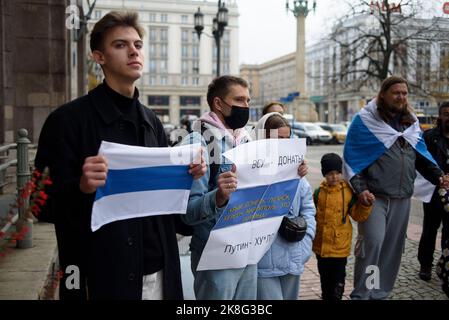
(312,132)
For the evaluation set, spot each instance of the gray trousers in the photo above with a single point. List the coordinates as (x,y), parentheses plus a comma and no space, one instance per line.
(379,247)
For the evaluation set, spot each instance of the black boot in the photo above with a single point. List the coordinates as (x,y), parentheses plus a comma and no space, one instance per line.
(425,273)
(339,290)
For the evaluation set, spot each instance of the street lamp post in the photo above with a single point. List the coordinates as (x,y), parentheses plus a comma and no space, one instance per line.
(218,25)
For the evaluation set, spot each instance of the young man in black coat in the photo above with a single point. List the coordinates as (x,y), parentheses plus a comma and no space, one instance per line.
(129,259)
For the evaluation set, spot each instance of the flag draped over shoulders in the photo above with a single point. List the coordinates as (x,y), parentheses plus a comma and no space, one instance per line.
(369,137)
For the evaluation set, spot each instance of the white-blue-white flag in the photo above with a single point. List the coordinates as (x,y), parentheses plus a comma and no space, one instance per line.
(143,181)
(369,137)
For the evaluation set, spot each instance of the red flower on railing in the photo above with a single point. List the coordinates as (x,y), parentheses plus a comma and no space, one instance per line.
(32,191)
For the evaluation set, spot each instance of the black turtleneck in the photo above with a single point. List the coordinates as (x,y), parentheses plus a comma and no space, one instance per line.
(128,108)
(153,259)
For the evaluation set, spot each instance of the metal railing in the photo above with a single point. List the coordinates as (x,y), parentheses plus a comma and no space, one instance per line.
(23,174)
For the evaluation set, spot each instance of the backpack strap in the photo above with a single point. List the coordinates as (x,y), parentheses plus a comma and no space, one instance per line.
(315,195)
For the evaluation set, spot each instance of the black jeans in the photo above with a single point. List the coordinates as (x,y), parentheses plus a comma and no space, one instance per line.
(434,215)
(332,276)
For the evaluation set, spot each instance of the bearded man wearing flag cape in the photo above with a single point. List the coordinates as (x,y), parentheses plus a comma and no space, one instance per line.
(383,150)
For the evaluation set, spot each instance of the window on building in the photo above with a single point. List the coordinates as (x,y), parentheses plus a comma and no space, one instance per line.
(152,80)
(153,67)
(163,66)
(184,51)
(195,38)
(190,100)
(195,67)
(152,17)
(155,100)
(164,35)
(164,81)
(226,37)
(163,50)
(226,68)
(164,17)
(184,66)
(152,50)
(226,52)
(184,18)
(195,81)
(153,34)
(185,36)
(184,81)
(195,51)
(97,14)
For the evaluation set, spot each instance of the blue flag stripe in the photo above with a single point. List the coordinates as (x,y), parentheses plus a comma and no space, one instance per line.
(422,149)
(361,147)
(145,179)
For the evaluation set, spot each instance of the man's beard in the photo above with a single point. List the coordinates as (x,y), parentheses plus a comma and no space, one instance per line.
(398,108)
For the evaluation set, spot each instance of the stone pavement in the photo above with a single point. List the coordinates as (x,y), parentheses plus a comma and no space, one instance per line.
(408,285)
(24,273)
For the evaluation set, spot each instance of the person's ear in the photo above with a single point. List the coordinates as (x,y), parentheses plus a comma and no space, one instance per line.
(98,57)
(217,104)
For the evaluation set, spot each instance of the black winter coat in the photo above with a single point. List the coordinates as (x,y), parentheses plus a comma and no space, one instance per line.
(110,259)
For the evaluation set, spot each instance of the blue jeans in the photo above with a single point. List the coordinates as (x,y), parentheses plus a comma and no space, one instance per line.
(284,287)
(226,284)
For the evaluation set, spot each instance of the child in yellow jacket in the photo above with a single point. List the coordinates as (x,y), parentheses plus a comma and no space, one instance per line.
(334,201)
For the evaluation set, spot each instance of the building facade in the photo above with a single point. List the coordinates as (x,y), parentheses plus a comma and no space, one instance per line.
(40,62)
(337,97)
(270,81)
(178,66)
(422,59)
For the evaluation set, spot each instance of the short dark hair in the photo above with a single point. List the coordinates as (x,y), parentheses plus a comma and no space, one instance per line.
(111,20)
(444,104)
(270,104)
(219,87)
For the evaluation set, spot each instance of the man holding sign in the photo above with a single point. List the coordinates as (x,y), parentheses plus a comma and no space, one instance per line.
(220,130)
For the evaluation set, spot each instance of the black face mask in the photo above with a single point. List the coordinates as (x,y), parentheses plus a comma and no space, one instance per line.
(238,118)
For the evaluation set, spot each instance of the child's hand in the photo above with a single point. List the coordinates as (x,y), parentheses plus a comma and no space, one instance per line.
(366,198)
(302,169)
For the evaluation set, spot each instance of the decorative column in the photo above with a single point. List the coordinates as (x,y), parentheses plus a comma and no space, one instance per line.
(303,108)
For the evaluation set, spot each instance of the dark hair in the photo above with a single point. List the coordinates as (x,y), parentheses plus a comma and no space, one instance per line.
(270,104)
(111,20)
(219,87)
(444,104)
(275,121)
(385,114)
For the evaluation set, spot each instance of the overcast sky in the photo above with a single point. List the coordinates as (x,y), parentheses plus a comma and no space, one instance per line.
(268,32)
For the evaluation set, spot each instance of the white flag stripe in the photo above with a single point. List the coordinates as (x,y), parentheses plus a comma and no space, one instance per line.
(138,204)
(121,156)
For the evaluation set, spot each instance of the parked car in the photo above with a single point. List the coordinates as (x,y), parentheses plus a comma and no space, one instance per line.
(338,131)
(311,132)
